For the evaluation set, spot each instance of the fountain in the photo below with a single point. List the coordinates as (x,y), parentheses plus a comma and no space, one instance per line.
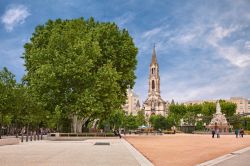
(219,120)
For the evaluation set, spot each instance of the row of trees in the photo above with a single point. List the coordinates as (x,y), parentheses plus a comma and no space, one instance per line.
(198,115)
(18,108)
(119,119)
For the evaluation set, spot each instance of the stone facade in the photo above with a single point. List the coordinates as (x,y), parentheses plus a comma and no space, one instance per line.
(154,104)
(132,105)
(243,104)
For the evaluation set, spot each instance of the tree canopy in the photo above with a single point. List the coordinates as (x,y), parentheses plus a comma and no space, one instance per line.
(82,66)
(193,113)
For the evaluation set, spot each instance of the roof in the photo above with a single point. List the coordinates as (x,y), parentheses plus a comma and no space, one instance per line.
(154,60)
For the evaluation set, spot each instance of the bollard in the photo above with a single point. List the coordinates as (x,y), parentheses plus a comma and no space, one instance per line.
(27,138)
(22,137)
(31,134)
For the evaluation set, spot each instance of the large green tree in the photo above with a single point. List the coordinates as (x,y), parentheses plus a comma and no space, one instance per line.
(81,66)
(228,108)
(158,122)
(7,85)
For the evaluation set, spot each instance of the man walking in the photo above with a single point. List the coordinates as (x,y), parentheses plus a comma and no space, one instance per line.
(213,133)
(236,131)
(241,132)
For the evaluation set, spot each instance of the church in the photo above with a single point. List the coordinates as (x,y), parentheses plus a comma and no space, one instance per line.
(154,104)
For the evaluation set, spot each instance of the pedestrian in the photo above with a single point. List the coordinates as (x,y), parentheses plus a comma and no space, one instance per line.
(241,132)
(218,133)
(236,131)
(213,133)
(119,133)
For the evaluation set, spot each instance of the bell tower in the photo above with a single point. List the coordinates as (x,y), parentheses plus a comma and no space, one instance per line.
(154,104)
(154,78)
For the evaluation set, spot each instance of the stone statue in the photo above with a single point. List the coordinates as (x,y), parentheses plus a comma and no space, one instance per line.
(218,108)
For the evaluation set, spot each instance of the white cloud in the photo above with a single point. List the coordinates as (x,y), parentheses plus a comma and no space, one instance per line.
(234,56)
(247,45)
(229,52)
(124,19)
(14,15)
(152,32)
(214,37)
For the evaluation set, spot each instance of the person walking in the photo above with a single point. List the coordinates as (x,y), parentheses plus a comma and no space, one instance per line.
(218,133)
(213,133)
(241,132)
(236,131)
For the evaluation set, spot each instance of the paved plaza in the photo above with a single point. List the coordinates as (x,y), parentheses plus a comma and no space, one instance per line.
(70,153)
(186,149)
(170,150)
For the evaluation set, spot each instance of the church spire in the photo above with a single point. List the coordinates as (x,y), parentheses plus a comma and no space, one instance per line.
(154,103)
(154,61)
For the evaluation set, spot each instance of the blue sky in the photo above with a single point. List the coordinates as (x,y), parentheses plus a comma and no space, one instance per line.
(202,47)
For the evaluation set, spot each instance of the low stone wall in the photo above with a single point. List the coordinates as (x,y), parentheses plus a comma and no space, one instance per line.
(9,141)
(78,136)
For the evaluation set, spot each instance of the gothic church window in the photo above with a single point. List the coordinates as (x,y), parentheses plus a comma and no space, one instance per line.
(153,84)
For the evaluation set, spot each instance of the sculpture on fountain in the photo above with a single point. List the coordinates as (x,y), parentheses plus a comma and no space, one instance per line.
(219,120)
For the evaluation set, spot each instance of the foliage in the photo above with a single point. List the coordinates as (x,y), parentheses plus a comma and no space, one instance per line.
(158,122)
(190,118)
(140,118)
(199,126)
(245,123)
(116,119)
(235,121)
(7,85)
(177,109)
(172,121)
(228,108)
(82,66)
(131,122)
(199,113)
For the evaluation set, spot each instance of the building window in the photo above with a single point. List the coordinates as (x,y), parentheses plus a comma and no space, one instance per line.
(153,84)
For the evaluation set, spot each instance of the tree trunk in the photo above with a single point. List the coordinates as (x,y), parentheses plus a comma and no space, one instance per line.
(22,137)
(16,129)
(80,123)
(0,130)
(27,133)
(1,121)
(95,123)
(74,123)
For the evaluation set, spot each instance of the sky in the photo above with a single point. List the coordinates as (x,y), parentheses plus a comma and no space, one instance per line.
(202,47)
